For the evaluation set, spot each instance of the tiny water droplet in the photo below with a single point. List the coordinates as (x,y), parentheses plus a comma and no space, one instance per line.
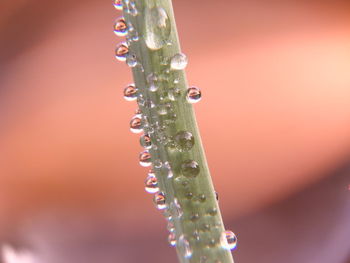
(193,95)
(189,195)
(120,27)
(184,247)
(121,51)
(172,239)
(145,159)
(212,211)
(184,141)
(130,92)
(159,201)
(118,4)
(131,60)
(157,164)
(145,141)
(194,217)
(176,209)
(190,168)
(201,198)
(170,226)
(228,240)
(178,61)
(132,9)
(136,125)
(152,80)
(157,27)
(151,184)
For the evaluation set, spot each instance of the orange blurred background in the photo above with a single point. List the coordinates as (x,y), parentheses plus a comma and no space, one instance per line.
(274,119)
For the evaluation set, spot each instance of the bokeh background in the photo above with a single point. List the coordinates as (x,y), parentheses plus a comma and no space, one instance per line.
(274,118)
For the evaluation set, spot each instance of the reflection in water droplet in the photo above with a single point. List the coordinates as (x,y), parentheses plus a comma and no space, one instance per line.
(190,168)
(145,141)
(120,28)
(130,92)
(118,4)
(228,240)
(159,201)
(157,27)
(178,61)
(136,125)
(184,141)
(145,159)
(151,184)
(121,51)
(194,95)
(184,247)
(172,239)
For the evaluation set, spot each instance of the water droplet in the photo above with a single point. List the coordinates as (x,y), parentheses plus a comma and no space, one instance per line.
(189,195)
(194,217)
(145,141)
(131,60)
(151,184)
(178,61)
(193,95)
(201,198)
(121,51)
(152,80)
(130,92)
(120,27)
(132,10)
(190,168)
(196,235)
(171,227)
(228,240)
(159,201)
(168,170)
(176,209)
(157,27)
(184,247)
(136,124)
(172,239)
(145,159)
(212,211)
(157,164)
(184,141)
(118,4)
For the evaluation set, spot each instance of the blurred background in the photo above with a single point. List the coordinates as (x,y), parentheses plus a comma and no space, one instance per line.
(274,119)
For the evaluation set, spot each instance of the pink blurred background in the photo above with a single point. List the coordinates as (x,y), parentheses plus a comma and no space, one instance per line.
(274,118)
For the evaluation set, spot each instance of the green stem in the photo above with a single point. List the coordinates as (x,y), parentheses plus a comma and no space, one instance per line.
(168,118)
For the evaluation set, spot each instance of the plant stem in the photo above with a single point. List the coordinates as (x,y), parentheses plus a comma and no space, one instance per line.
(186,195)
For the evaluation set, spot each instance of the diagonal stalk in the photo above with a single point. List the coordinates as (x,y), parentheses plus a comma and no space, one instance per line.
(179,176)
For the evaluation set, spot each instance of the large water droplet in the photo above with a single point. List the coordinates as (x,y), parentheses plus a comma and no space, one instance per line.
(130,92)
(184,141)
(159,201)
(178,61)
(184,247)
(118,4)
(151,184)
(172,239)
(120,27)
(194,95)
(157,27)
(145,159)
(190,168)
(228,240)
(136,124)
(121,51)
(145,141)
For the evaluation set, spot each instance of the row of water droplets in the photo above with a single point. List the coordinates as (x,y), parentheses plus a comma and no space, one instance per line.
(156,34)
